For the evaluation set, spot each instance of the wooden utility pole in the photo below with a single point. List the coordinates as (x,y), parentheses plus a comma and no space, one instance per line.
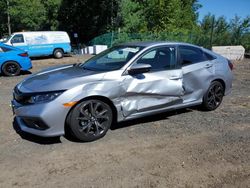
(8,18)
(112,24)
(212,33)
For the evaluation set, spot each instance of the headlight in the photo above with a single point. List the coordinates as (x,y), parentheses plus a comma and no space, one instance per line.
(44,97)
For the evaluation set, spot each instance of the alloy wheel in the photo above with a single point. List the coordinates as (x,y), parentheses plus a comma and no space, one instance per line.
(94,118)
(214,95)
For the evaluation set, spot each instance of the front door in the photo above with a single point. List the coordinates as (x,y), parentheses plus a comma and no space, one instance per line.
(19,42)
(159,88)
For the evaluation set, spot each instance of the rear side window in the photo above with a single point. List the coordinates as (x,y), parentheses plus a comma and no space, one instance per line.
(17,39)
(209,56)
(190,55)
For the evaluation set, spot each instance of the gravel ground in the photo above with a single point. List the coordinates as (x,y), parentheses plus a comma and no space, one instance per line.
(184,148)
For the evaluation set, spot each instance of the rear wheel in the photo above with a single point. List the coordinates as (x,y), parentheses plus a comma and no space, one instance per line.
(213,97)
(90,120)
(58,53)
(11,68)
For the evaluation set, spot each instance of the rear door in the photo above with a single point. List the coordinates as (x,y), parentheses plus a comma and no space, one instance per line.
(198,72)
(159,88)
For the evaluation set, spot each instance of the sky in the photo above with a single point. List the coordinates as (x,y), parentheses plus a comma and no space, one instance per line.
(227,8)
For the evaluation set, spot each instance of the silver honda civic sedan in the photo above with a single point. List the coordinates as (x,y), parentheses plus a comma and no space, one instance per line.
(124,82)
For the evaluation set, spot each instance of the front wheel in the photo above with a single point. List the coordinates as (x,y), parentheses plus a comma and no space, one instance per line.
(11,68)
(90,120)
(213,97)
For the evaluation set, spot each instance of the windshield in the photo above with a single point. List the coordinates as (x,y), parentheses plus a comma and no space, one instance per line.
(112,59)
(6,39)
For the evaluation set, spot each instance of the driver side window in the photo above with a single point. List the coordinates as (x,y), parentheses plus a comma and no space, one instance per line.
(17,39)
(162,58)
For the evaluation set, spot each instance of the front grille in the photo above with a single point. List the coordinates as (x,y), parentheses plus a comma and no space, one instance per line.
(20,97)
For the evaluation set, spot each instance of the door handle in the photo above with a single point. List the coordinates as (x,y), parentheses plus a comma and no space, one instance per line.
(174,78)
(208,66)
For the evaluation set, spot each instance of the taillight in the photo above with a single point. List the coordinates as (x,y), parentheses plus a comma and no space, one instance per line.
(24,54)
(230,64)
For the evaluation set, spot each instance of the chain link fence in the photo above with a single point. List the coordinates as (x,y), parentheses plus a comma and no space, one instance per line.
(204,40)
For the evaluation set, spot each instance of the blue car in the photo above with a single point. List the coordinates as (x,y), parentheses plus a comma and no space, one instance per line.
(13,60)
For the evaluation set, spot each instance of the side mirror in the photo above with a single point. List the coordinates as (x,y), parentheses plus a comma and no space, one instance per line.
(139,68)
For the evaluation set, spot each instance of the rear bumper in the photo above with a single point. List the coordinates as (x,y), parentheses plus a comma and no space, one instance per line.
(26,64)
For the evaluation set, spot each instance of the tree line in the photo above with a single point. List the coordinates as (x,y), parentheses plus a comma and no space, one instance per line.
(90,18)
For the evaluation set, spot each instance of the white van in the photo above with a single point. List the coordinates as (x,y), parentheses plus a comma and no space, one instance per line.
(41,43)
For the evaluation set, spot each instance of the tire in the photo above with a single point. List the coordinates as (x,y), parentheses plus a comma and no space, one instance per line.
(11,68)
(75,51)
(213,97)
(90,120)
(58,53)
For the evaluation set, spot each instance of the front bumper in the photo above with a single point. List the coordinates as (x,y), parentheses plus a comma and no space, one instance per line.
(47,119)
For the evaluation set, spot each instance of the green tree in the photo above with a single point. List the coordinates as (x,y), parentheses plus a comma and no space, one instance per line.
(27,14)
(218,31)
(189,14)
(3,18)
(30,15)
(163,15)
(88,18)
(52,9)
(132,16)
(221,32)
(215,30)
(246,41)
(238,28)
(158,15)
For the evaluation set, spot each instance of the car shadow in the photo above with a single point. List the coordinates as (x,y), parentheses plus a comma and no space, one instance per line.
(21,74)
(128,123)
(34,138)
(68,135)
(125,124)
(48,57)
(25,72)
(40,58)
(151,118)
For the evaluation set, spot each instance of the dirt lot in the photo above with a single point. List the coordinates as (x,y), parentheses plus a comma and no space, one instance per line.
(186,148)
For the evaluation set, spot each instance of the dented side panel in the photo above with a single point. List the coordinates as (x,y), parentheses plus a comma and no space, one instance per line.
(196,80)
(151,90)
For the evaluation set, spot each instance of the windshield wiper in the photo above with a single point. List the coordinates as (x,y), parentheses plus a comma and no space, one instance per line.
(87,68)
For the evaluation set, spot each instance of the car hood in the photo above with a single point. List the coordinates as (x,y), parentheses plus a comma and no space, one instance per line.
(59,78)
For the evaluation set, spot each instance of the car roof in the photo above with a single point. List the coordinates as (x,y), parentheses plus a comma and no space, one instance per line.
(160,43)
(33,32)
(155,43)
